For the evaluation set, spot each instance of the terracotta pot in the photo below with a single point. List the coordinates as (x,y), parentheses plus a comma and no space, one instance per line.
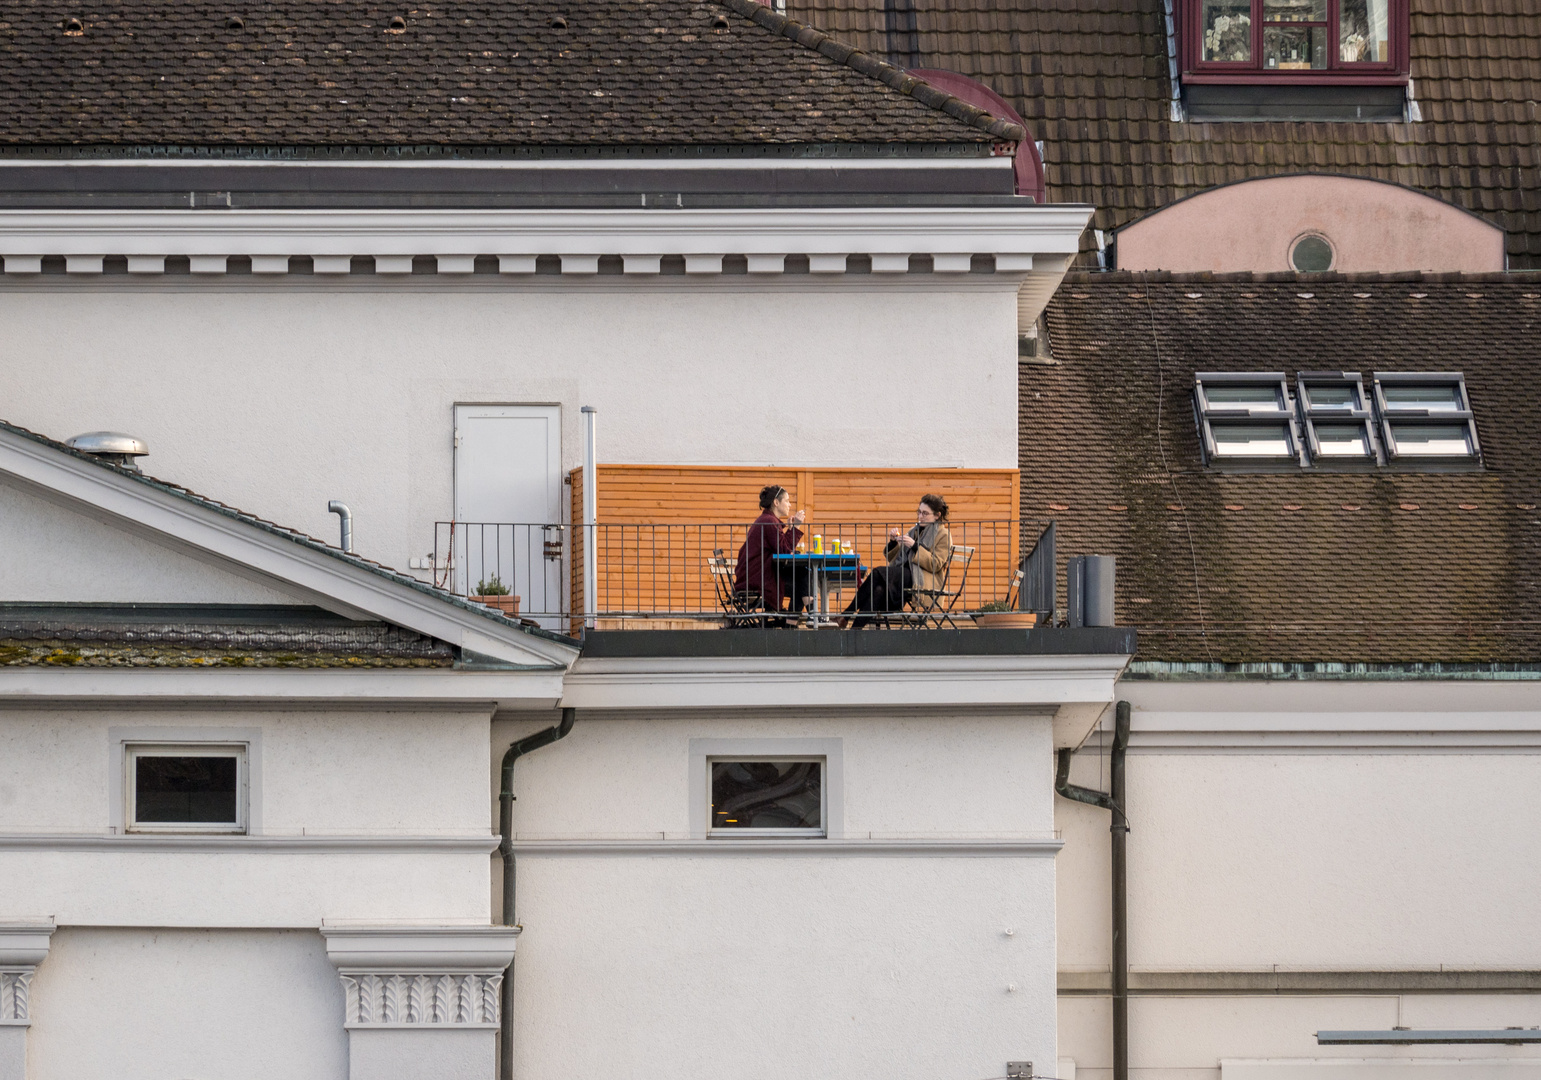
(1005,620)
(508,605)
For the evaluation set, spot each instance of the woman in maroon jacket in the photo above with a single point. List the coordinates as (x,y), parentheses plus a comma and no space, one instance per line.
(757,569)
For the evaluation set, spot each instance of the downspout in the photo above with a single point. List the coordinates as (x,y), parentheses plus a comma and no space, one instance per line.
(506,848)
(1113,800)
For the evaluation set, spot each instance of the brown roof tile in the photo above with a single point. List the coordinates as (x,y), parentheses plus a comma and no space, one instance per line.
(1376,567)
(471,72)
(1071,69)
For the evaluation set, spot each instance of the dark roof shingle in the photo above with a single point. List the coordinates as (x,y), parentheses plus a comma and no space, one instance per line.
(469,72)
(1389,566)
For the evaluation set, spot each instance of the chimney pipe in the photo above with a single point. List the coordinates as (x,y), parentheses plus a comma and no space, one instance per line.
(345,520)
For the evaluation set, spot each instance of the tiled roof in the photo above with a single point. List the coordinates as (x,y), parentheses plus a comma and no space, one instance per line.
(1390,566)
(469,72)
(1091,80)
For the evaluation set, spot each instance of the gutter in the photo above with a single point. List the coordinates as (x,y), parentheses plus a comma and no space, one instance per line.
(506,847)
(1113,800)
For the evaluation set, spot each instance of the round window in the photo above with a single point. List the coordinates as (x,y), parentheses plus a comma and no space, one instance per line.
(1311,254)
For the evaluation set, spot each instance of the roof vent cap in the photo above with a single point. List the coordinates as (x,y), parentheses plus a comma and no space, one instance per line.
(111,447)
(235,22)
(397,25)
(559,23)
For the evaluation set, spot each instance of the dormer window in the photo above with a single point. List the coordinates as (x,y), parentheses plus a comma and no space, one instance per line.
(1287,37)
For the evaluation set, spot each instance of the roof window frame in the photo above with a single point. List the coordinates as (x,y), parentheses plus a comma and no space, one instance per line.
(1393,71)
(1388,415)
(1207,414)
(1362,414)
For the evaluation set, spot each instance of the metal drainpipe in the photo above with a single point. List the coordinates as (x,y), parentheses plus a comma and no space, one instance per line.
(1114,801)
(506,848)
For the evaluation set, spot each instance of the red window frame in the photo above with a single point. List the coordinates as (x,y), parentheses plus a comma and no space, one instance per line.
(1197,70)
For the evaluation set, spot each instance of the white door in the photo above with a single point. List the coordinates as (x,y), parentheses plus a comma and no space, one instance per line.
(508,504)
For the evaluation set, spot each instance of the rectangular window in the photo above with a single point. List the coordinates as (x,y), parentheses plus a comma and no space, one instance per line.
(1319,38)
(197,787)
(1335,415)
(1426,415)
(767,797)
(1247,416)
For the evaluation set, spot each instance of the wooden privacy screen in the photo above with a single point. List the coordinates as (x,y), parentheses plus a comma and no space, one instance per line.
(658,524)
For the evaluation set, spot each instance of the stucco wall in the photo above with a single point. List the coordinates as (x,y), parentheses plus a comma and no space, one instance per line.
(689,962)
(276,396)
(1372,227)
(338,775)
(56,555)
(113,1004)
(1308,827)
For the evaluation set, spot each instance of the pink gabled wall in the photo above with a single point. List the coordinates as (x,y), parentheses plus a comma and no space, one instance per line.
(1373,227)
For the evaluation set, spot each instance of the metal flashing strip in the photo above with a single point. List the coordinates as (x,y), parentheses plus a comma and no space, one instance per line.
(801,848)
(1301,983)
(474,844)
(1176,671)
(1009,237)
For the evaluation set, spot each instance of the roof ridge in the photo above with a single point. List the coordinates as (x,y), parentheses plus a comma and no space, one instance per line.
(866,64)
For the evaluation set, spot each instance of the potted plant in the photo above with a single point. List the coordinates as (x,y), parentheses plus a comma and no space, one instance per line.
(997,616)
(492,592)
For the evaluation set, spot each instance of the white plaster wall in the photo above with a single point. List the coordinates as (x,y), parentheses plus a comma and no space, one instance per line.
(54,554)
(112,1004)
(276,396)
(692,963)
(980,774)
(763,967)
(338,773)
(1321,827)
(1187,1037)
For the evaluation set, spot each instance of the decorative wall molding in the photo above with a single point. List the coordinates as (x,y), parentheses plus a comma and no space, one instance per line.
(474,844)
(812,848)
(420,977)
(414,999)
(950,236)
(1272,983)
(23,946)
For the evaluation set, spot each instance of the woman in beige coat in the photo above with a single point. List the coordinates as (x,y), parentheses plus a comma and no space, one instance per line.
(916,560)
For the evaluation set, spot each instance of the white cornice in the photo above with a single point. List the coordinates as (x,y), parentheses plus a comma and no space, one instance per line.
(423,687)
(811,849)
(1014,234)
(336,583)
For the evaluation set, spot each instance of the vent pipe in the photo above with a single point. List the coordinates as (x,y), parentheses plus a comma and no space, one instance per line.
(111,447)
(590,516)
(345,521)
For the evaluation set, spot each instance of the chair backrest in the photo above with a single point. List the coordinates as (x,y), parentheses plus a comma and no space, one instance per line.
(962,555)
(722,569)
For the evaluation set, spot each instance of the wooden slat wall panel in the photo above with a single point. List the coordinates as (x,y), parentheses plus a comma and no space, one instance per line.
(644,569)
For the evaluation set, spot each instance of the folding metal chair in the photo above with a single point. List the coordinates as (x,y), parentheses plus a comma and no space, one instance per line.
(739,608)
(933,607)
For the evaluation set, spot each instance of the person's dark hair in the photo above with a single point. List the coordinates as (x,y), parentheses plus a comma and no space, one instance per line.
(937,504)
(769,494)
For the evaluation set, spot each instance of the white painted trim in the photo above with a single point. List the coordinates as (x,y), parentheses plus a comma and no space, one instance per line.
(1023,230)
(831,750)
(1336,742)
(437,949)
(333,582)
(30,687)
(811,847)
(472,844)
(25,942)
(1043,683)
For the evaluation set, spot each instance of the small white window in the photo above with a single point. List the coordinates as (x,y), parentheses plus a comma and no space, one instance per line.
(1426,415)
(186,788)
(1247,416)
(767,797)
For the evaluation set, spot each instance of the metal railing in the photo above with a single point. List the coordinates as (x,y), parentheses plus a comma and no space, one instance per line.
(678,575)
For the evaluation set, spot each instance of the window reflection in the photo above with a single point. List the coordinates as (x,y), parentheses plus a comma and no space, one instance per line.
(1228,30)
(767,795)
(1364,32)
